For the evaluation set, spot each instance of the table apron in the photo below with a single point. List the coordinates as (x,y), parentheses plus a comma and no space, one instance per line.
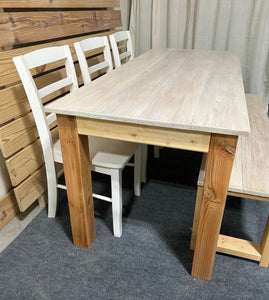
(144,134)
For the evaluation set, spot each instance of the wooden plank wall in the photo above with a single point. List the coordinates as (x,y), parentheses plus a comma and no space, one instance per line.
(27,25)
(8,208)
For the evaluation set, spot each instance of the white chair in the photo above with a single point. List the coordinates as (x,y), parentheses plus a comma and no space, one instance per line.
(91,44)
(107,156)
(125,38)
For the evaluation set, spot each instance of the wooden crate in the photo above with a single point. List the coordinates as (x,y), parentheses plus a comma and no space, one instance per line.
(27,25)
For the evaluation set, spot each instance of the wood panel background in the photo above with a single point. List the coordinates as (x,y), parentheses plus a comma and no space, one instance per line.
(27,25)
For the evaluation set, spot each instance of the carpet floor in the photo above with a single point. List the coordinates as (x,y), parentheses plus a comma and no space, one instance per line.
(151,260)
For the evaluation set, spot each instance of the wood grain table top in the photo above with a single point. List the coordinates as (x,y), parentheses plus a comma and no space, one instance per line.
(198,90)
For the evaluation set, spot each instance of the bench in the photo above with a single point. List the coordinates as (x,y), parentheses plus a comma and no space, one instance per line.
(249,179)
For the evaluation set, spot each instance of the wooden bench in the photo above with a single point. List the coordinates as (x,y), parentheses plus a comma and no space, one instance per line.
(249,179)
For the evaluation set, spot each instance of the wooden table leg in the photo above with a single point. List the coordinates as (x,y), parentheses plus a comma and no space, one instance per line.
(76,159)
(218,171)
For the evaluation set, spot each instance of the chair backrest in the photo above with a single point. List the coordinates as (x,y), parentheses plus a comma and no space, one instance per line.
(88,45)
(117,37)
(24,63)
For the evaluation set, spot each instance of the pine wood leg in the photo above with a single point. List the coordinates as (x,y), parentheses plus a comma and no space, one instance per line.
(76,160)
(199,197)
(265,246)
(218,171)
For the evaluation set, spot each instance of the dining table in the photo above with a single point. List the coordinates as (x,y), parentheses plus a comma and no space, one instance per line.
(179,98)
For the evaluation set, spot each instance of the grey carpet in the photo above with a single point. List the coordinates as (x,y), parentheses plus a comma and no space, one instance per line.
(151,260)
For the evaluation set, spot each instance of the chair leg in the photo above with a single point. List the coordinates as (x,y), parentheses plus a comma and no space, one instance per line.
(265,246)
(52,193)
(137,171)
(144,163)
(116,190)
(199,197)
(156,151)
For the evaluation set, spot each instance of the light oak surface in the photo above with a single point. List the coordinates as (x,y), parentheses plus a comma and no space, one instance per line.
(190,81)
(166,96)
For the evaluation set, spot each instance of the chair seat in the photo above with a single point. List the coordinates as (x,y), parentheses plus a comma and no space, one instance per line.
(106,153)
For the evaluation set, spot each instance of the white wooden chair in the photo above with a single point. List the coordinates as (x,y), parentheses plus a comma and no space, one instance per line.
(88,45)
(107,156)
(121,37)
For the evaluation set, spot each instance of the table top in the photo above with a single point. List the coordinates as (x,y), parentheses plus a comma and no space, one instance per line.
(199,90)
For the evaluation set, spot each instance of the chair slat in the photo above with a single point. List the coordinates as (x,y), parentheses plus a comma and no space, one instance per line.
(51,118)
(98,67)
(125,54)
(53,87)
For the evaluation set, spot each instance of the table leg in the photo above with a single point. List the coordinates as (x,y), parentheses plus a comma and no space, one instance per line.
(76,160)
(218,171)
